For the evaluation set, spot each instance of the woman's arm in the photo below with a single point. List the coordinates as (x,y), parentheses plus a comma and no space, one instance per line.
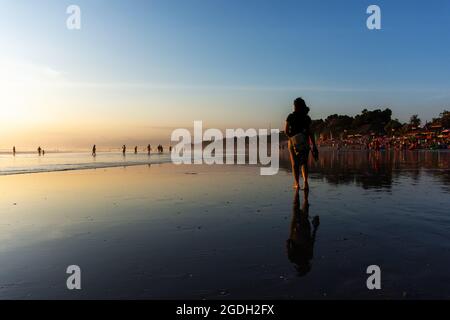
(287,130)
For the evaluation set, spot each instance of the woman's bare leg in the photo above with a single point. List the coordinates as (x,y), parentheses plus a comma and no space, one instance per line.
(305,177)
(295,171)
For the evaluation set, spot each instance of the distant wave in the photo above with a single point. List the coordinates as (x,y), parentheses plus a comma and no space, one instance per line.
(73,161)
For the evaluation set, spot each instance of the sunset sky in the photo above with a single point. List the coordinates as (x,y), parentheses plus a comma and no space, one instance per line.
(138,69)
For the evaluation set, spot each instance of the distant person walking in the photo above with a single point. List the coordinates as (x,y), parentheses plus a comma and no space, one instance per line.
(149,149)
(135,150)
(298,130)
(94,150)
(14,150)
(39,150)
(124,149)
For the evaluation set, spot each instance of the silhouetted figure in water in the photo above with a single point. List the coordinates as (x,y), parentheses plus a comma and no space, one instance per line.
(298,129)
(149,149)
(14,150)
(94,150)
(135,150)
(39,150)
(43,152)
(170,148)
(124,149)
(300,245)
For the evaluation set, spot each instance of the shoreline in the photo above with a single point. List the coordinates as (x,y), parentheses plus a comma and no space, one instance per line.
(105,165)
(80,169)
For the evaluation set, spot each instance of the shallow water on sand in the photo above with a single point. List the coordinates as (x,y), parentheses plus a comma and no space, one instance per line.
(23,163)
(165,231)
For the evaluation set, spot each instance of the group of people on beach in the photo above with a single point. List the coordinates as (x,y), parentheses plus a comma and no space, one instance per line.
(149,149)
(298,130)
(160,148)
(389,143)
(40,151)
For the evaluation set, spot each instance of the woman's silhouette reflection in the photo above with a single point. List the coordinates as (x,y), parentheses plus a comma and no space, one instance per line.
(300,245)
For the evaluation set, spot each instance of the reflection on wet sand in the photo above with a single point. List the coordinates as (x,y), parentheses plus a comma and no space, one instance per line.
(375,169)
(216,232)
(300,245)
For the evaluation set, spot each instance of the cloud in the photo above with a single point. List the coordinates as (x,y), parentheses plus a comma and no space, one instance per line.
(16,72)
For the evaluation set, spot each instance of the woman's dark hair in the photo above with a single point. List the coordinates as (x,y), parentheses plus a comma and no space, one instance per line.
(300,106)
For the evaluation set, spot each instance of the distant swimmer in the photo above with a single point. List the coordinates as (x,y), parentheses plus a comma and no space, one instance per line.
(14,150)
(149,149)
(124,149)
(135,150)
(94,150)
(39,150)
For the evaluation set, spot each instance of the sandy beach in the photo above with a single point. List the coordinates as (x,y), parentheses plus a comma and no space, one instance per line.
(208,232)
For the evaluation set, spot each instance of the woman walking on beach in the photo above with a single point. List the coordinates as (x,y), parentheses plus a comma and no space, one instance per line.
(298,130)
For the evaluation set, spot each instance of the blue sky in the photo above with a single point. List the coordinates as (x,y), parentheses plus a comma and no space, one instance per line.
(163,64)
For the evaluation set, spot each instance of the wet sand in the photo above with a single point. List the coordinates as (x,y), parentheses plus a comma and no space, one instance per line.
(208,232)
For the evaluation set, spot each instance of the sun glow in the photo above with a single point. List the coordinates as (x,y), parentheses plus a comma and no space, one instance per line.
(24,91)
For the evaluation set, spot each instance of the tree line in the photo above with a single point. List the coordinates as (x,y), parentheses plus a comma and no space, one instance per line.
(377,122)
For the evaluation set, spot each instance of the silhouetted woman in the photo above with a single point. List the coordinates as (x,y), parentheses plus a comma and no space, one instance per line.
(124,149)
(298,130)
(94,150)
